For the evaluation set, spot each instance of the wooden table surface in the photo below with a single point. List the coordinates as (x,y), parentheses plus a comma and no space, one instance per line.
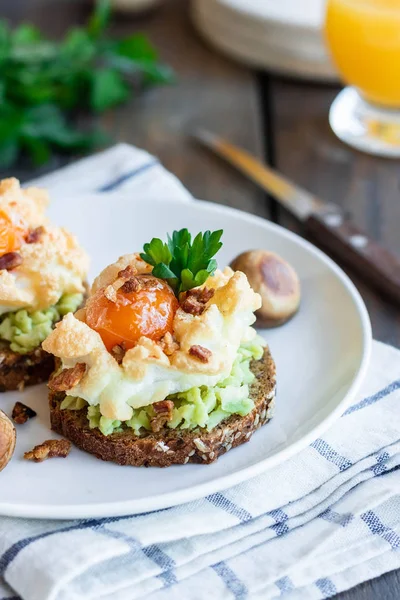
(283,121)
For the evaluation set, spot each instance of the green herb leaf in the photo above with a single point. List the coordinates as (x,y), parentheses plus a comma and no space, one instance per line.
(26,34)
(78,46)
(4,39)
(108,89)
(99,19)
(137,47)
(156,252)
(43,81)
(38,150)
(183,264)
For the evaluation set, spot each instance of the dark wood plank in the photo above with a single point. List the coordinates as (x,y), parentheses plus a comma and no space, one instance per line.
(366,187)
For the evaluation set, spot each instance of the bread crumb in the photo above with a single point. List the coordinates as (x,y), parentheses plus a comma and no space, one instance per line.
(49,449)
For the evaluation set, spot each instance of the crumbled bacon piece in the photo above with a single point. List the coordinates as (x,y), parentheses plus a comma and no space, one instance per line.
(68,378)
(202,294)
(195,300)
(49,449)
(126,281)
(168,344)
(127,273)
(118,352)
(10,261)
(22,413)
(131,285)
(203,354)
(34,235)
(163,410)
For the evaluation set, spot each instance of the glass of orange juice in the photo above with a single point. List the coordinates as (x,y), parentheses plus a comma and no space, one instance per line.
(364,39)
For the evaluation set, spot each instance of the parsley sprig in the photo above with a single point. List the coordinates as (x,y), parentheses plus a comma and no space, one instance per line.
(46,84)
(183,263)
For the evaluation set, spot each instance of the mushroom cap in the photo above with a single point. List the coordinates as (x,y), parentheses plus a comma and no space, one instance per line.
(275,280)
(7,440)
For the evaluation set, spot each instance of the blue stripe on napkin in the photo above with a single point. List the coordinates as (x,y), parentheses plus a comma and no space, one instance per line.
(220,501)
(232,582)
(285,585)
(392,387)
(376,527)
(326,586)
(109,187)
(325,450)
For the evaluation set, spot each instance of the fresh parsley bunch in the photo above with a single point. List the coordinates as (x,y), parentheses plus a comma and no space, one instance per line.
(183,263)
(44,83)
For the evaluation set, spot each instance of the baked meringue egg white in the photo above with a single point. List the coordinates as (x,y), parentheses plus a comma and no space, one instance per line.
(42,268)
(148,352)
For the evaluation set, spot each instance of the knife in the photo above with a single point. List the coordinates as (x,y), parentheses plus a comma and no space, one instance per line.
(326,223)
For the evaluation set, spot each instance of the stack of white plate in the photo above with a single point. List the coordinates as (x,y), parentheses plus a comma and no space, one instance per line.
(281,35)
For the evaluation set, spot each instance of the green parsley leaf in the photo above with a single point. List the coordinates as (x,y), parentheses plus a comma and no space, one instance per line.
(183,264)
(25,34)
(156,252)
(45,85)
(108,89)
(100,18)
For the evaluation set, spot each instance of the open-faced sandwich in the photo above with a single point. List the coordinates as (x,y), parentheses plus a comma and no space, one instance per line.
(42,270)
(162,365)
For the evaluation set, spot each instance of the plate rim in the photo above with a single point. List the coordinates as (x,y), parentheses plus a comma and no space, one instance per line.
(170,499)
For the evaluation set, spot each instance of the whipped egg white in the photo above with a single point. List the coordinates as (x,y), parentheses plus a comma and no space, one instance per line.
(146,374)
(52,267)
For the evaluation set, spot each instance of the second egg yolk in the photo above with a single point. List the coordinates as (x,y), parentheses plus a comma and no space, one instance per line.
(149,312)
(11,233)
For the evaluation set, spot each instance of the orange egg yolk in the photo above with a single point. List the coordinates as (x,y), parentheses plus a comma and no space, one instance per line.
(149,311)
(11,233)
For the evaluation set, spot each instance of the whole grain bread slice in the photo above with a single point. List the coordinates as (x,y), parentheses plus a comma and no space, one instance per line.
(19,370)
(171,446)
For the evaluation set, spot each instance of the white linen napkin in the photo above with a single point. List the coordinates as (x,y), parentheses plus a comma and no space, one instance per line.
(320,523)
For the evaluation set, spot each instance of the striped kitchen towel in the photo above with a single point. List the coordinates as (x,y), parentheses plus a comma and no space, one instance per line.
(320,523)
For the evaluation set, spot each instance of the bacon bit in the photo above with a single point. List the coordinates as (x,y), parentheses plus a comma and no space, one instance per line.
(118,352)
(195,300)
(10,261)
(22,413)
(49,449)
(163,410)
(203,354)
(131,285)
(202,294)
(127,273)
(34,235)
(68,378)
(126,280)
(168,344)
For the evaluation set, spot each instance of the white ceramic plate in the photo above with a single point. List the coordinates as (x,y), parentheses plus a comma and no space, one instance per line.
(321,356)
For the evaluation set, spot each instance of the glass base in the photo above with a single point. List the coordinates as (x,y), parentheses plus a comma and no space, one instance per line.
(368,128)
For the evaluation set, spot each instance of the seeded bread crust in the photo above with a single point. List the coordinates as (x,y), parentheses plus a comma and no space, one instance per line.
(171,446)
(20,370)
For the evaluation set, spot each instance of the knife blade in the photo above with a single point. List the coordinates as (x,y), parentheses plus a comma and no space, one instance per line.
(325,222)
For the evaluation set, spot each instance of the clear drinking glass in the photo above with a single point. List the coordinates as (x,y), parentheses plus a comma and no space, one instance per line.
(364,40)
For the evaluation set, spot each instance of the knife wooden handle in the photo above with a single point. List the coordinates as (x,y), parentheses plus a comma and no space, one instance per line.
(373,263)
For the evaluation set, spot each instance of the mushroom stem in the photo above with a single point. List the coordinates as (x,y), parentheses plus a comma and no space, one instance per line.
(7,440)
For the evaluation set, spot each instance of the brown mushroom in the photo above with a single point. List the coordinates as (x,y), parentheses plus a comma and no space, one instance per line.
(7,440)
(276,282)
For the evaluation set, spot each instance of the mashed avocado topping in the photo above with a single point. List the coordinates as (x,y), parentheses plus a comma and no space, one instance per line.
(26,330)
(198,407)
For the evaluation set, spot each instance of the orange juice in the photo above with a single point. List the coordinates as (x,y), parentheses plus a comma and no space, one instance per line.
(364,39)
